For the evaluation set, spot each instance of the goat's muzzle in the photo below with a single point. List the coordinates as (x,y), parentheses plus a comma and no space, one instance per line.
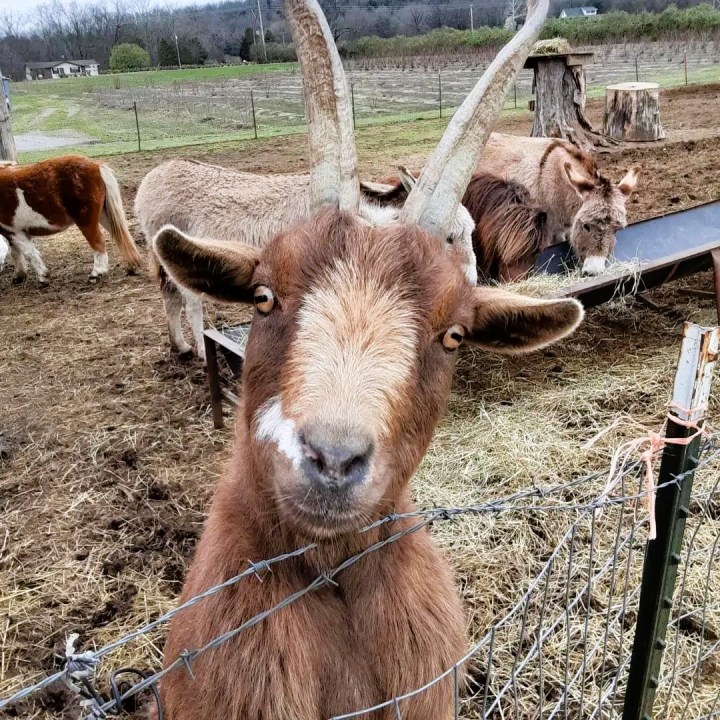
(334,462)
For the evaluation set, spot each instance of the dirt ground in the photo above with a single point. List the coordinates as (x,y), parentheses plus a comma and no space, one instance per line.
(108,456)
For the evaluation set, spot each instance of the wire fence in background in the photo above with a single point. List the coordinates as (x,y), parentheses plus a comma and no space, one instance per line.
(118,117)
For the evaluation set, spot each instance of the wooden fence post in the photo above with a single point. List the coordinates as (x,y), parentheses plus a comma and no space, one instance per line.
(7,141)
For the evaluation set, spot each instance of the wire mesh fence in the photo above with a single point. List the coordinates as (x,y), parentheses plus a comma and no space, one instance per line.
(99,114)
(562,649)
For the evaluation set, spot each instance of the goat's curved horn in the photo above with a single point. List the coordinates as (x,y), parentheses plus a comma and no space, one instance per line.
(434,200)
(328,108)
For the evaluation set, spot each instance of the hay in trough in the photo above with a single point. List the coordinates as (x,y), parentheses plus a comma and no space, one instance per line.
(543,284)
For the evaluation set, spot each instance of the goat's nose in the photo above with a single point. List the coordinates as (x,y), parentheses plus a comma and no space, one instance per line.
(335,460)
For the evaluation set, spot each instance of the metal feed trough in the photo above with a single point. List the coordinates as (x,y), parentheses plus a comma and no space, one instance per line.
(661,249)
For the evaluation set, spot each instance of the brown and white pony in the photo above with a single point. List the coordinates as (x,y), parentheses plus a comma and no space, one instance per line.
(510,228)
(584,207)
(347,372)
(48,197)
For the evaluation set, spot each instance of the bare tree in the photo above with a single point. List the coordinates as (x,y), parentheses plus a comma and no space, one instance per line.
(514,13)
(335,14)
(419,18)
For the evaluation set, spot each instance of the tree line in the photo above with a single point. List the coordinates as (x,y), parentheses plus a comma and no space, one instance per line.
(230,30)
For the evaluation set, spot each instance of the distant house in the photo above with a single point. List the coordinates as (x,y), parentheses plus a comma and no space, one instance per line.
(578,12)
(56,69)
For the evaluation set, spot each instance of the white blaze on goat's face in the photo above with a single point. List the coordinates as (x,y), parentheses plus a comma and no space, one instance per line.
(272,425)
(353,353)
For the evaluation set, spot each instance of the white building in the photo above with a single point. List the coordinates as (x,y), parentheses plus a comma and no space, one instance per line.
(578,12)
(57,69)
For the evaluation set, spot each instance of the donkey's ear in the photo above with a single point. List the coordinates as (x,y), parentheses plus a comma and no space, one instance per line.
(580,183)
(223,270)
(512,324)
(407,179)
(628,184)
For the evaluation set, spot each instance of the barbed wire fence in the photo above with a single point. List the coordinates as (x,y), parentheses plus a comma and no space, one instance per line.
(571,644)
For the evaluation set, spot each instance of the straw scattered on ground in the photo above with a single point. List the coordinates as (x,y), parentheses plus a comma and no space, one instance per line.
(108,459)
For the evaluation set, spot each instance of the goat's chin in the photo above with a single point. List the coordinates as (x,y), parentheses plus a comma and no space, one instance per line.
(315,520)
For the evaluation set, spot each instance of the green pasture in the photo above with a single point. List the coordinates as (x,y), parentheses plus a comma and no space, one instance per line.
(75,106)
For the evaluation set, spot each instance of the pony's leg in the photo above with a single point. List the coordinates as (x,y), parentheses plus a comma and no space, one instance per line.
(194,312)
(19,261)
(173,302)
(30,253)
(95,238)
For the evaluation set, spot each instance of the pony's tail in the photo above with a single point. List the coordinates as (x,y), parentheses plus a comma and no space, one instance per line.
(116,221)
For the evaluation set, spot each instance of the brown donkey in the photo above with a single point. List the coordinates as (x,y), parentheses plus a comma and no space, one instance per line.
(510,227)
(48,197)
(347,372)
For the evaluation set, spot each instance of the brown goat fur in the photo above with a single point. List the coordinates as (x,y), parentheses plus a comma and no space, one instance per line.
(353,348)
(48,197)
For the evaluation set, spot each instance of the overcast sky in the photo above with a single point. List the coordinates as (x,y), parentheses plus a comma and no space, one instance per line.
(25,7)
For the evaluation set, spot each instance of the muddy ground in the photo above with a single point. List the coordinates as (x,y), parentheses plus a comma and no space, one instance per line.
(107,452)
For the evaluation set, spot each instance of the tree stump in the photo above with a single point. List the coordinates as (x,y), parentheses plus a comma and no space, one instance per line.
(632,112)
(559,85)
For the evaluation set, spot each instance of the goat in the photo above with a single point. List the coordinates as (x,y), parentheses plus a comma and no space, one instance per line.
(347,371)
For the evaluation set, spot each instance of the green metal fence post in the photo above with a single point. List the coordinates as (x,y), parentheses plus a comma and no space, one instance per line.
(252,105)
(352,96)
(698,355)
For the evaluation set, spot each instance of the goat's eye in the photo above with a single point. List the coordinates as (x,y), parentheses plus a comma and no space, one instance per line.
(586,227)
(452,339)
(449,240)
(264,299)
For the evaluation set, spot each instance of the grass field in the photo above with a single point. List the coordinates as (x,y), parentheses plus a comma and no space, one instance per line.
(178,108)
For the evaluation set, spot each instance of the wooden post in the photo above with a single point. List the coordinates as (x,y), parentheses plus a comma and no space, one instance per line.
(632,112)
(252,105)
(559,82)
(7,141)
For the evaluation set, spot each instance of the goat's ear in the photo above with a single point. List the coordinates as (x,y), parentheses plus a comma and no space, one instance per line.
(512,324)
(223,270)
(407,179)
(628,184)
(579,183)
